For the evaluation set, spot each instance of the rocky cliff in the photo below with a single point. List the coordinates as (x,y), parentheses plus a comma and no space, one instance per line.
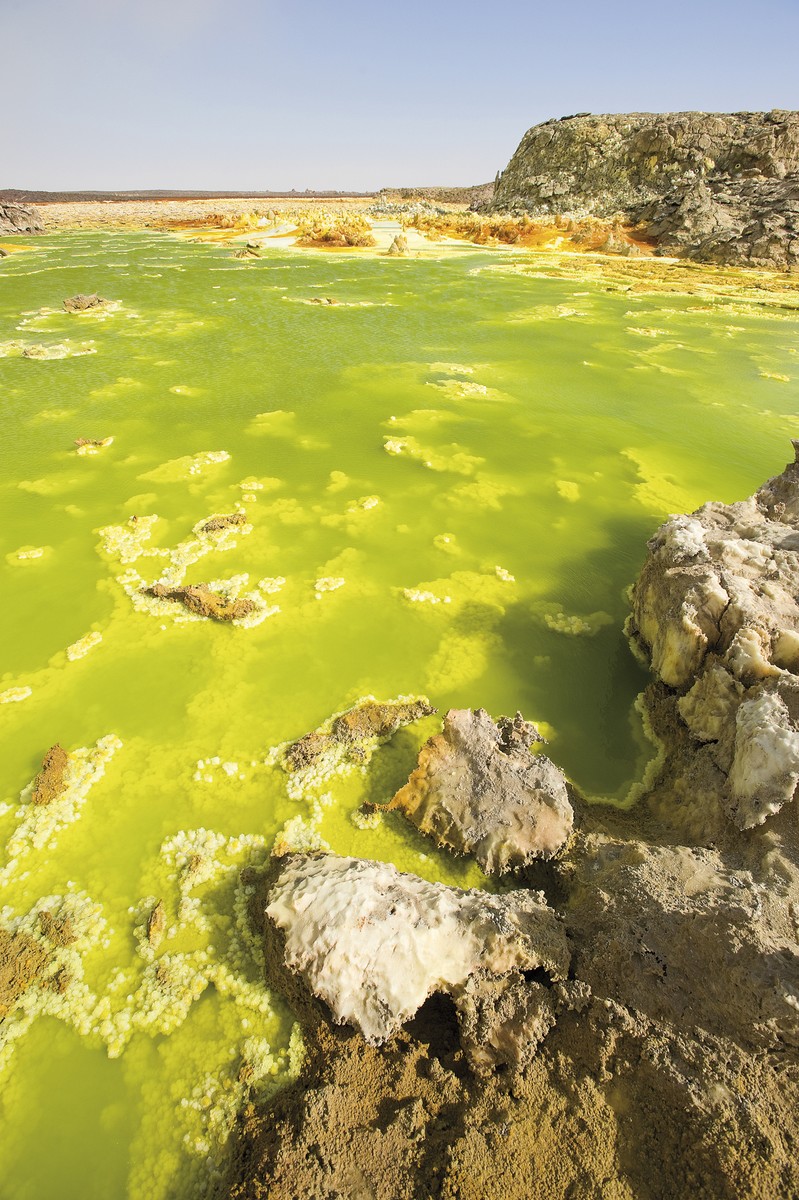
(15,218)
(720,187)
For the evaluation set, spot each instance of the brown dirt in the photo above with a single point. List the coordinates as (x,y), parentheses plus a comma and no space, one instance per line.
(49,783)
(22,963)
(58,930)
(198,598)
(369,720)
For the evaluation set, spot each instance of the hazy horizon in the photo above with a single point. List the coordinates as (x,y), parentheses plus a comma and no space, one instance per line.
(198,95)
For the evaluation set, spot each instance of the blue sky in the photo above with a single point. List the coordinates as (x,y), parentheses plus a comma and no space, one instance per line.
(248,94)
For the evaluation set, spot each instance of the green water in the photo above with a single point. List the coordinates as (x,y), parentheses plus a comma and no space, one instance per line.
(542,429)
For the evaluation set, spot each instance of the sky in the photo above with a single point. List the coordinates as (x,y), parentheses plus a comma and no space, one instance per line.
(255,95)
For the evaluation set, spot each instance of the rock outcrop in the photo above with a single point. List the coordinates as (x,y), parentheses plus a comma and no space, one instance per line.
(478,790)
(730,221)
(719,187)
(374,943)
(716,609)
(15,218)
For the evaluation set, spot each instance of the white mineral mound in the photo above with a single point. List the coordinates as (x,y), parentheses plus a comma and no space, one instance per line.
(375,943)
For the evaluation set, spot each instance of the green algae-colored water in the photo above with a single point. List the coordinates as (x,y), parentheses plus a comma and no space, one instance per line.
(448,479)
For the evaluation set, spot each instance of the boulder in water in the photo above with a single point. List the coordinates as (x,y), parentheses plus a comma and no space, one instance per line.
(478,790)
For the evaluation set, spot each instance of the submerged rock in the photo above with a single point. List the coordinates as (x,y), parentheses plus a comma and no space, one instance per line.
(716,610)
(81,302)
(199,599)
(366,721)
(478,790)
(374,943)
(49,783)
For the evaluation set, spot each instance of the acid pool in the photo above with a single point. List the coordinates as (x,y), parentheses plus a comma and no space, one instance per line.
(446,481)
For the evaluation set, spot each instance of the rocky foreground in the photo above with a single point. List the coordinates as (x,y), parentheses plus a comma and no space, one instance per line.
(717,187)
(622,1020)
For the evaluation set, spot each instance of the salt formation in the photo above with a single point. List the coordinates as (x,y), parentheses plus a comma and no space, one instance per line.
(717,608)
(356,731)
(179,470)
(374,943)
(231,599)
(86,446)
(48,962)
(55,798)
(477,790)
(450,458)
(43,352)
(83,645)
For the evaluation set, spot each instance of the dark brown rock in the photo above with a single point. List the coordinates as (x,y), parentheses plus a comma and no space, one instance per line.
(156,924)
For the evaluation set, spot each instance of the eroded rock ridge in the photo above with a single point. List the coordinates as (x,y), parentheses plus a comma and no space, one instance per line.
(718,187)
